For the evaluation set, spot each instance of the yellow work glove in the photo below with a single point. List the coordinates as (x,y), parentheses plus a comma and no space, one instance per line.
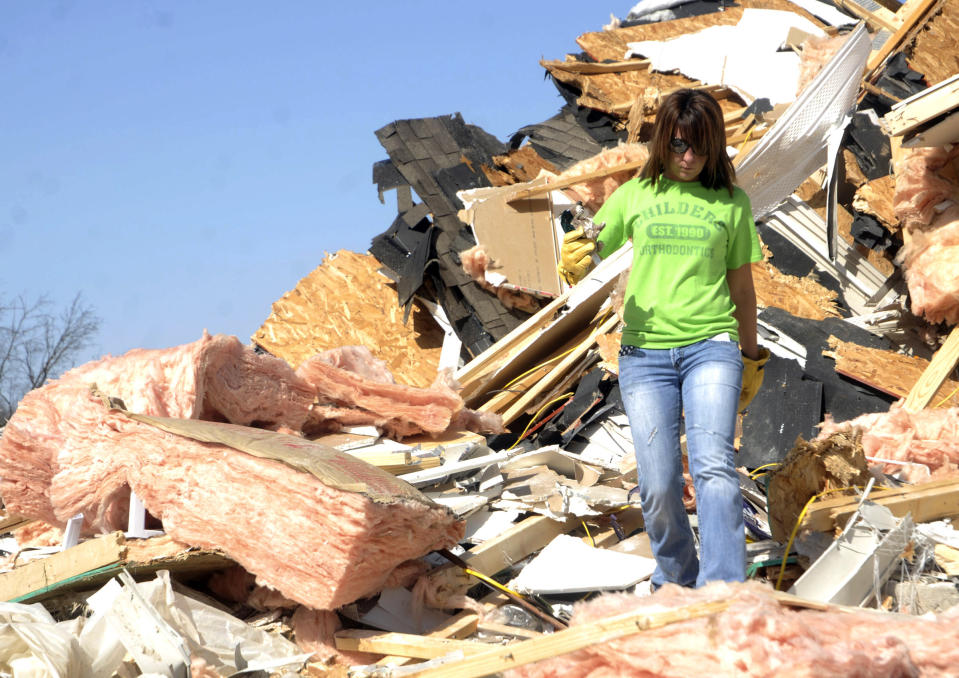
(752,377)
(575,256)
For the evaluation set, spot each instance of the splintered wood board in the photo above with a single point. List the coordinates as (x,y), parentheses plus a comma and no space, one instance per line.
(346,301)
(887,371)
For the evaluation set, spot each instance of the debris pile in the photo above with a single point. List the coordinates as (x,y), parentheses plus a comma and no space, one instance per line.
(421,463)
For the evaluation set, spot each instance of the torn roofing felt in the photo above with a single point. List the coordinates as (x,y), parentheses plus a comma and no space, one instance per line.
(438,157)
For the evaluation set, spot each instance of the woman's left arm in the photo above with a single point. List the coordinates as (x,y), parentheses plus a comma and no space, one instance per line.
(743,294)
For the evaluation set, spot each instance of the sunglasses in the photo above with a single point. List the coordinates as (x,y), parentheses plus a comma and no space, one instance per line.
(680,146)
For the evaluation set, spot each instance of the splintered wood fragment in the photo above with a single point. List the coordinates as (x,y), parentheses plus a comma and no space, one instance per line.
(31,579)
(941,365)
(557,372)
(456,627)
(12,521)
(572,181)
(877,19)
(887,371)
(569,640)
(403,644)
(927,501)
(909,22)
(590,68)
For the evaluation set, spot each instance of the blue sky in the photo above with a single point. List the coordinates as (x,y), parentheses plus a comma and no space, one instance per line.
(183,164)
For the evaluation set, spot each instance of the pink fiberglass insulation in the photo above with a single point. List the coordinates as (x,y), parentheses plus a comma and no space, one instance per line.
(475,261)
(929,436)
(359,360)
(756,636)
(313,632)
(594,192)
(919,187)
(817,51)
(399,410)
(931,263)
(52,437)
(316,544)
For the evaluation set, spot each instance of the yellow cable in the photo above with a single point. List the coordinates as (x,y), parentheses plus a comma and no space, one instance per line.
(947,397)
(535,417)
(591,540)
(760,468)
(795,530)
(542,364)
(491,582)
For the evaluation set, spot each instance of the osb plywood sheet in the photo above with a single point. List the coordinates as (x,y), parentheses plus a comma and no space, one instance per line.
(602,45)
(933,52)
(802,297)
(615,92)
(346,302)
(888,371)
(875,198)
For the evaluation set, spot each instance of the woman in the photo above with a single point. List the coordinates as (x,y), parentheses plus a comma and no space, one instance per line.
(689,300)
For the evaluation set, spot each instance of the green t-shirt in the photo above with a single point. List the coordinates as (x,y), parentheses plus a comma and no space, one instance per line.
(685,237)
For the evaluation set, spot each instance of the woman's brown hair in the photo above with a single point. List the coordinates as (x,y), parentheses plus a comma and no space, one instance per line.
(697,116)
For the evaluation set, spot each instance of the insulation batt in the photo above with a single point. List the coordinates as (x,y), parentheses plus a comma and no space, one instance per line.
(929,436)
(315,544)
(756,636)
(931,263)
(349,399)
(51,462)
(919,187)
(594,192)
(49,445)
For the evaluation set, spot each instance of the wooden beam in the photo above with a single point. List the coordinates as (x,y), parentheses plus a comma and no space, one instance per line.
(457,627)
(927,501)
(31,578)
(909,22)
(940,367)
(520,405)
(572,639)
(572,181)
(593,68)
(403,644)
(878,19)
(10,522)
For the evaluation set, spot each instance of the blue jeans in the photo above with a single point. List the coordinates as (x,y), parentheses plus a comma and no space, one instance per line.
(660,386)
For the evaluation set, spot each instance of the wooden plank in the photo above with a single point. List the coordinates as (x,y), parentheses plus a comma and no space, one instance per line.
(877,19)
(887,371)
(523,402)
(563,642)
(572,181)
(403,644)
(40,574)
(457,627)
(591,68)
(941,365)
(927,501)
(12,521)
(909,22)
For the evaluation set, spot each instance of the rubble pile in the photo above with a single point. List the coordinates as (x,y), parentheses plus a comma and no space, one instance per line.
(421,463)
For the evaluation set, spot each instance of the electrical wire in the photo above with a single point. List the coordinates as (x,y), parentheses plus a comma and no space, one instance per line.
(753,475)
(536,416)
(946,399)
(492,582)
(795,530)
(591,540)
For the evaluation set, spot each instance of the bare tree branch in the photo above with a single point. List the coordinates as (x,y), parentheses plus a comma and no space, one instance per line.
(37,345)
